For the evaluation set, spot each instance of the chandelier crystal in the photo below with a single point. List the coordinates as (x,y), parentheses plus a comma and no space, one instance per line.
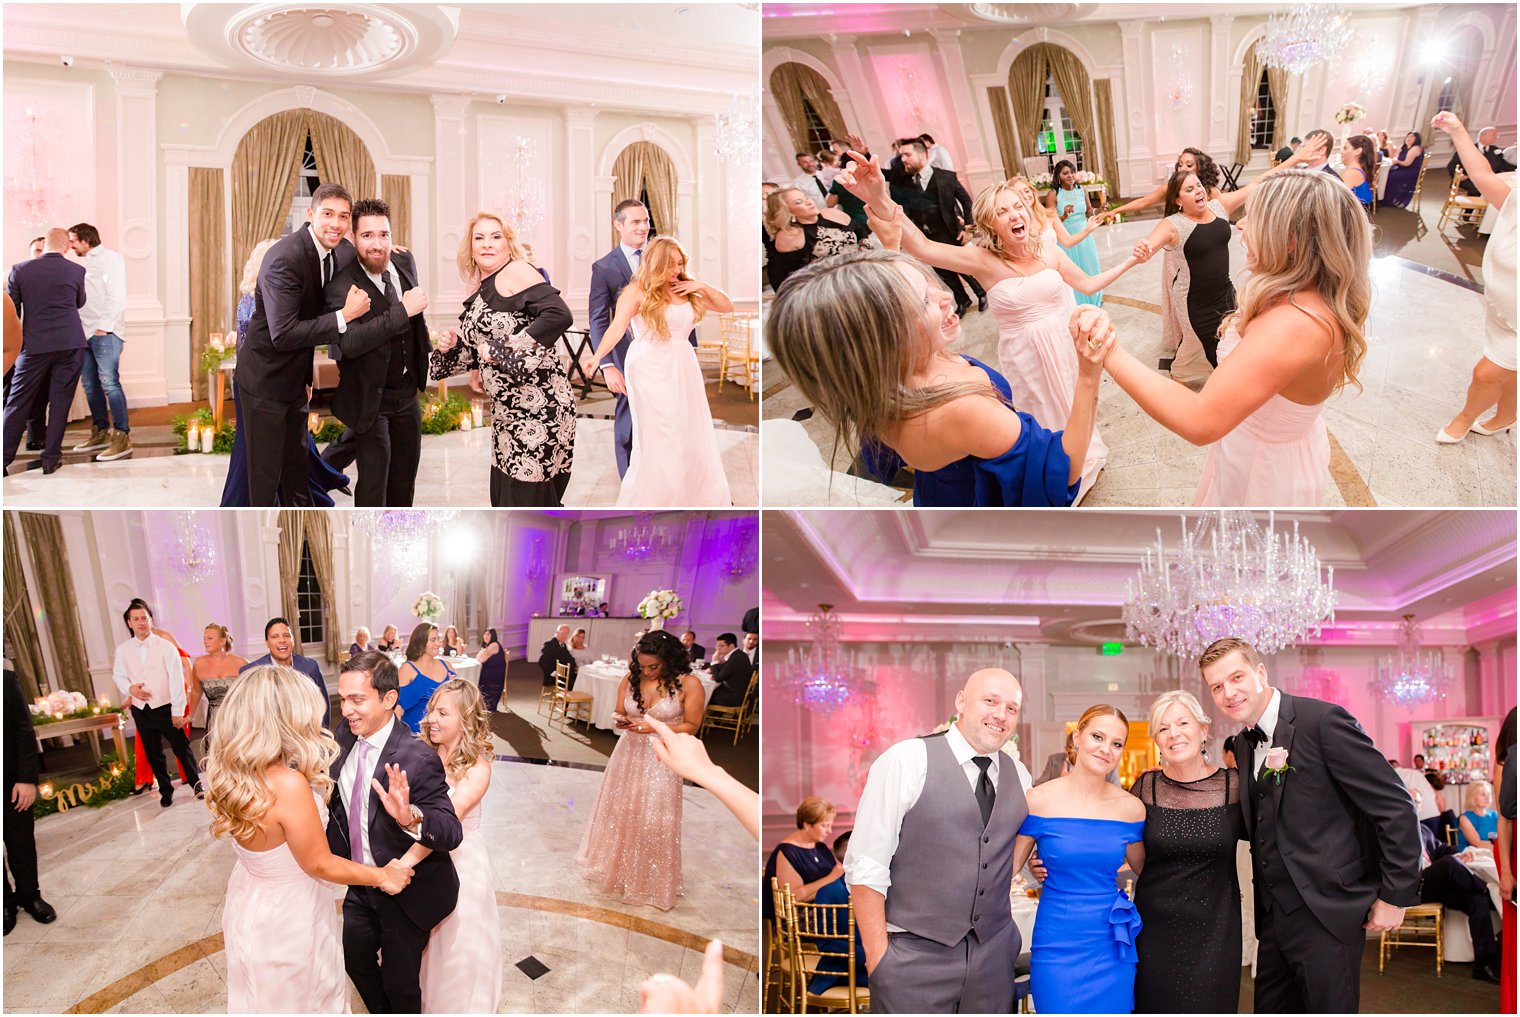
(642,540)
(738,131)
(402,535)
(1304,35)
(194,559)
(1229,577)
(821,677)
(523,200)
(28,187)
(1412,676)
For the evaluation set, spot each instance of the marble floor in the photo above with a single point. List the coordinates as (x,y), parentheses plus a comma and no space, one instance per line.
(455,472)
(139,892)
(1424,334)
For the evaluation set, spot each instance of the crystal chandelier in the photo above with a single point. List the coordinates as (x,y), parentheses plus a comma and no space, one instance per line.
(1304,35)
(739,559)
(1412,675)
(738,131)
(1180,91)
(26,190)
(642,540)
(194,559)
(523,201)
(402,535)
(821,677)
(1230,577)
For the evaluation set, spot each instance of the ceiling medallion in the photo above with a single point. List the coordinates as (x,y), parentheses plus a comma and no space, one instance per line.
(325,40)
(332,40)
(1030,14)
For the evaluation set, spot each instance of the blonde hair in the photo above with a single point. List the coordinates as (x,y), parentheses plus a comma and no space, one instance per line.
(777,215)
(653,278)
(1308,231)
(1092,713)
(1045,216)
(222,631)
(251,267)
(1167,700)
(1221,648)
(474,724)
(469,271)
(1473,786)
(848,331)
(268,718)
(814,809)
(983,227)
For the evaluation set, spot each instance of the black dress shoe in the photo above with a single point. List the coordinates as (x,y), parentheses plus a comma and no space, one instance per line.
(166,800)
(48,469)
(10,918)
(981,303)
(34,446)
(961,309)
(200,790)
(41,910)
(1486,973)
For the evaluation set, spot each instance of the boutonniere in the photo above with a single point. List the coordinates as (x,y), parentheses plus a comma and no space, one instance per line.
(1277,763)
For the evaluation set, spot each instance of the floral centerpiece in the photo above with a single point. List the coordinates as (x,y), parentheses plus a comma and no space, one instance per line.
(660,605)
(1350,113)
(217,350)
(428,607)
(1045,181)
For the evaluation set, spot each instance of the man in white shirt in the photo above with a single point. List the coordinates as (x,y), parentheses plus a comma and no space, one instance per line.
(939,155)
(105,287)
(810,181)
(151,680)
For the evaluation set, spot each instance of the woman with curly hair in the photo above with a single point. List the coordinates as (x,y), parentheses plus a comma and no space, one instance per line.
(1191,160)
(461,968)
(675,459)
(267,788)
(632,846)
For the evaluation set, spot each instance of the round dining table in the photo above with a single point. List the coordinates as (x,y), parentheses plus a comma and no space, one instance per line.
(466,667)
(601,678)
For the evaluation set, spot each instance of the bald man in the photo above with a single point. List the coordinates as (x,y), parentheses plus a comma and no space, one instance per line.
(931,860)
(48,293)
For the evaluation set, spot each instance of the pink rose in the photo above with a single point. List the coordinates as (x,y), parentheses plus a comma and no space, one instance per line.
(1277,757)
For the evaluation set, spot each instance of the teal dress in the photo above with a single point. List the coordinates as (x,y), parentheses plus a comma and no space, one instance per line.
(413,697)
(1084,254)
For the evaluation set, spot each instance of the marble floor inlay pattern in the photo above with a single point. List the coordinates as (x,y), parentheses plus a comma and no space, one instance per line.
(139,896)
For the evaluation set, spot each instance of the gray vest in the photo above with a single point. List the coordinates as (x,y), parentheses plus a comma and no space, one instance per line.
(949,876)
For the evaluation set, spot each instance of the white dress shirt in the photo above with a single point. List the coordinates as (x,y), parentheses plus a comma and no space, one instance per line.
(1420,791)
(892,788)
(154,662)
(924,174)
(808,183)
(1268,724)
(939,158)
(105,291)
(632,255)
(322,255)
(371,764)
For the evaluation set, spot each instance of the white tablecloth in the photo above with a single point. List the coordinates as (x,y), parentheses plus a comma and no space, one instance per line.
(467,668)
(601,680)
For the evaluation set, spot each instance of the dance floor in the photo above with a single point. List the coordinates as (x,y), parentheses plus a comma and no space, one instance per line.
(139,894)
(1424,335)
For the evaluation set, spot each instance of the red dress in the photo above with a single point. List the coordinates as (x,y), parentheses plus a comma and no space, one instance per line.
(143,769)
(1507,944)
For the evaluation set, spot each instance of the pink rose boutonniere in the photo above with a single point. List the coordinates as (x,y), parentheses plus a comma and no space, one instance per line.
(1277,763)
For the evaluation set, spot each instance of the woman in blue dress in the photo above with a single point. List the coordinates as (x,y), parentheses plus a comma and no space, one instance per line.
(1069,202)
(1083,954)
(866,337)
(1480,823)
(1404,172)
(421,675)
(1358,165)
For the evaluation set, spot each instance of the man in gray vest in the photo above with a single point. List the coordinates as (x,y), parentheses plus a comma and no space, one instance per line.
(931,860)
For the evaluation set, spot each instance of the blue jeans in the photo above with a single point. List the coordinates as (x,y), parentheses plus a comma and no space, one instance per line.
(102,382)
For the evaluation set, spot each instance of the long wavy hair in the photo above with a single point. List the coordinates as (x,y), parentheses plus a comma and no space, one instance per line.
(1366,154)
(268,718)
(983,228)
(1308,231)
(475,725)
(250,281)
(675,664)
(653,277)
(1208,169)
(778,214)
(469,271)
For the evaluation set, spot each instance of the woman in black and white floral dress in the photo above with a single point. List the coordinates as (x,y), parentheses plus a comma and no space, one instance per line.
(509,332)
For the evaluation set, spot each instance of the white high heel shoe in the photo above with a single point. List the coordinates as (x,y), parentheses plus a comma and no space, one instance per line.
(1485,431)
(1445,439)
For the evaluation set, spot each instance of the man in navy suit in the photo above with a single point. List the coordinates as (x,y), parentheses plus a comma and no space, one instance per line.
(609,274)
(48,293)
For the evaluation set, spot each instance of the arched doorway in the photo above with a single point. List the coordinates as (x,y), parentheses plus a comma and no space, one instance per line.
(807,105)
(643,171)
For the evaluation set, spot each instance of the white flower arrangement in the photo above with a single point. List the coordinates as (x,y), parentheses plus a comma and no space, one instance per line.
(1085,178)
(660,604)
(1350,113)
(429,607)
(59,703)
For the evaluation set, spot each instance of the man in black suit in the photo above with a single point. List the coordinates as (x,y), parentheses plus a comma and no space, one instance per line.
(375,818)
(1286,152)
(20,793)
(1487,140)
(382,363)
(695,651)
(938,204)
(1335,845)
(290,319)
(731,671)
(48,293)
(1319,143)
(1446,879)
(556,650)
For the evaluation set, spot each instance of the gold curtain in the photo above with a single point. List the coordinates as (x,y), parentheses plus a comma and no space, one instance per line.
(290,567)
(1277,87)
(792,83)
(644,166)
(20,627)
(319,541)
(208,252)
(788,98)
(55,590)
(1108,149)
(1072,81)
(264,171)
(1026,87)
(1250,77)
(1002,124)
(816,91)
(396,191)
(341,156)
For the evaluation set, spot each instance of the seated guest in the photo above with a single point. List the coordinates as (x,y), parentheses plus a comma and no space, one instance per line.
(556,650)
(695,650)
(1480,824)
(752,648)
(1286,152)
(1425,809)
(1404,172)
(422,675)
(803,860)
(453,644)
(1447,880)
(282,645)
(1320,143)
(602,610)
(389,640)
(837,892)
(578,648)
(1418,762)
(1487,140)
(731,670)
(20,792)
(360,643)
(1444,826)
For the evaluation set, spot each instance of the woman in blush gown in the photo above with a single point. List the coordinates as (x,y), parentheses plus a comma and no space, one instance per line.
(461,968)
(1083,955)
(675,459)
(268,784)
(1297,339)
(632,846)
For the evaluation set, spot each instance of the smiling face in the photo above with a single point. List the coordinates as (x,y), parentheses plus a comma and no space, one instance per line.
(1239,689)
(372,239)
(281,643)
(807,164)
(987,709)
(1178,735)
(442,722)
(329,221)
(434,643)
(489,246)
(1100,744)
(361,705)
(940,323)
(211,639)
(1025,191)
(1185,161)
(633,228)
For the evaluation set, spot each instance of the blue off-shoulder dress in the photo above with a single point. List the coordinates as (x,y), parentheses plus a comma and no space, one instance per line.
(1083,956)
(1031,474)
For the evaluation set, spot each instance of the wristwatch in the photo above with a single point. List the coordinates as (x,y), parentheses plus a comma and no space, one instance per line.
(416,818)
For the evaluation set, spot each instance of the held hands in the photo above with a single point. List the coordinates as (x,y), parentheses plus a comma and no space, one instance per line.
(395,877)
(1094,336)
(356,305)
(415,301)
(1143,251)
(397,800)
(1383,917)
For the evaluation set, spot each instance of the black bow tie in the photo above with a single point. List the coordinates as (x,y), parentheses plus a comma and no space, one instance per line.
(1255,735)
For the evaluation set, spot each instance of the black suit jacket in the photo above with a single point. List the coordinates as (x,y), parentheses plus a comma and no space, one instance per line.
(1346,826)
(289,320)
(48,293)
(20,741)
(732,676)
(434,890)
(555,652)
(364,355)
(939,210)
(696,652)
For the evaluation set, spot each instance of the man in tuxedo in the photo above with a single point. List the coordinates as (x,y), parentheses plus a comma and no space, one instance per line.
(1324,141)
(1334,840)
(1487,140)
(938,204)
(1446,879)
(752,648)
(695,651)
(151,680)
(290,319)
(281,642)
(382,363)
(48,293)
(731,670)
(20,793)
(556,650)
(375,821)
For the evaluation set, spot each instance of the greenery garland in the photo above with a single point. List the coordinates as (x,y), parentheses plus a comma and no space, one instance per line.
(115,783)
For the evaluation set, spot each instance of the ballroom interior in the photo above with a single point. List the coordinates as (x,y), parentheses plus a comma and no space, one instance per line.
(1131,85)
(916,601)
(158,122)
(147,937)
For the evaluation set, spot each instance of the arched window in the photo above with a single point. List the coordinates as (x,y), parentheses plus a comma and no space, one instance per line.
(645,171)
(807,105)
(1058,138)
(1263,115)
(307,181)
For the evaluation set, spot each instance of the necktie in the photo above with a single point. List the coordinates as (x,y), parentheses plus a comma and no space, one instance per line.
(326,269)
(387,288)
(985,794)
(356,806)
(923,185)
(636,261)
(821,189)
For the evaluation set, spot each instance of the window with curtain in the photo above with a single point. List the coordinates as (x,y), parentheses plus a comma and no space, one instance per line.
(644,197)
(819,135)
(1058,139)
(307,181)
(309,606)
(1263,115)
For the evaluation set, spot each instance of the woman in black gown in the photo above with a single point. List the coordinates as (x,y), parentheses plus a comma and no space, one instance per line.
(797,232)
(803,860)
(493,669)
(1188,893)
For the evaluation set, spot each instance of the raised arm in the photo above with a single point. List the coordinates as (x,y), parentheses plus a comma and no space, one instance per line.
(1156,197)
(1474,164)
(1090,284)
(863,179)
(1094,336)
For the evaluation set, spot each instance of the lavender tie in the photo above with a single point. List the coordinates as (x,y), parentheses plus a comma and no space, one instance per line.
(356,807)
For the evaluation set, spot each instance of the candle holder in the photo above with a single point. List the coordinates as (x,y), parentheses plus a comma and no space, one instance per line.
(314,422)
(192,438)
(464,421)
(208,438)
(478,412)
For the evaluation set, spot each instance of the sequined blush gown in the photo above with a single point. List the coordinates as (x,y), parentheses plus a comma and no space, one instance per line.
(461,968)
(632,845)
